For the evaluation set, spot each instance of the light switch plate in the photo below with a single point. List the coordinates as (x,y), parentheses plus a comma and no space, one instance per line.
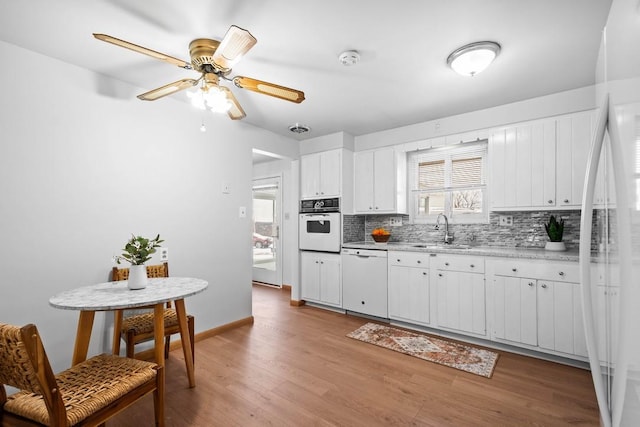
(164,254)
(242,212)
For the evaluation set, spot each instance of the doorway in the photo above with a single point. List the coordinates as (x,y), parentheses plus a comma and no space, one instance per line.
(267,207)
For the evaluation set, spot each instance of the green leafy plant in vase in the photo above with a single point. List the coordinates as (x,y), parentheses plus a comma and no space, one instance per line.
(137,251)
(555,230)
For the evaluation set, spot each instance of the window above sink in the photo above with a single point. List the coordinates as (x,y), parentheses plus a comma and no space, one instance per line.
(449,180)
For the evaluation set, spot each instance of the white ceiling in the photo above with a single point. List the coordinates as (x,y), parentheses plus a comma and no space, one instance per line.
(547,46)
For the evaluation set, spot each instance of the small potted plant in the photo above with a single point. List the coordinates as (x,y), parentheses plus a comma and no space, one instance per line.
(555,229)
(380,235)
(137,251)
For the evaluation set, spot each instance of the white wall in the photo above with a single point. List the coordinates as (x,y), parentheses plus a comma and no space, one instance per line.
(327,142)
(83,164)
(535,108)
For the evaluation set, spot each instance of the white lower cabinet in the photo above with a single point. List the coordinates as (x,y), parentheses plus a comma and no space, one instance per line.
(321,278)
(538,304)
(408,287)
(460,288)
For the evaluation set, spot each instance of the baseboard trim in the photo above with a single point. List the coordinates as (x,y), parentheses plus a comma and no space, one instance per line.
(220,329)
(296,303)
(177,344)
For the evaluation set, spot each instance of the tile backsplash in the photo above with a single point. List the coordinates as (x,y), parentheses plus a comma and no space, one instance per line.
(527,229)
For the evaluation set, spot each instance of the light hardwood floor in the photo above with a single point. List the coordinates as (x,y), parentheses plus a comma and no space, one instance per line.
(295,367)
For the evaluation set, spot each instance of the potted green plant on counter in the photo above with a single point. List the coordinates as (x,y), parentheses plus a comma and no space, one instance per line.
(555,229)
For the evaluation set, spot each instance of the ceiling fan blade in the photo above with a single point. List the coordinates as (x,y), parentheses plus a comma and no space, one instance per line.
(169,89)
(270,89)
(161,56)
(235,112)
(233,46)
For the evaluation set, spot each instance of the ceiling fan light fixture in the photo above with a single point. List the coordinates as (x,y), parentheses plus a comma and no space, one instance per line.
(297,128)
(216,100)
(473,58)
(197,99)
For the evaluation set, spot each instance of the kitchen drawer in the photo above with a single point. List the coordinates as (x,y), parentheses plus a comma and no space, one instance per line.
(466,263)
(541,270)
(408,259)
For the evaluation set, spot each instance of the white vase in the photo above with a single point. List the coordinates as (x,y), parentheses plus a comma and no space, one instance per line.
(555,246)
(137,277)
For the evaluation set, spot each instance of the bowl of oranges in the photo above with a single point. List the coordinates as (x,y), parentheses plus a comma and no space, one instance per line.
(380,235)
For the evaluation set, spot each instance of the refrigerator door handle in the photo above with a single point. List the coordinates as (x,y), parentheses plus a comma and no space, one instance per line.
(628,292)
(586,223)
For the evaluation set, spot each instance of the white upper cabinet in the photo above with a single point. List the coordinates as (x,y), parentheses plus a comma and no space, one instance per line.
(523,165)
(574,133)
(321,174)
(540,164)
(380,181)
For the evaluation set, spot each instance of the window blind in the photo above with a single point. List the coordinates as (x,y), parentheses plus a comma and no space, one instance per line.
(459,166)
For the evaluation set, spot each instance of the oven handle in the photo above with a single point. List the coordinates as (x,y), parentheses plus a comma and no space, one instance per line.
(315,215)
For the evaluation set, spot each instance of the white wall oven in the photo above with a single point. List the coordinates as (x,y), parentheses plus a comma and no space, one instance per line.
(320,225)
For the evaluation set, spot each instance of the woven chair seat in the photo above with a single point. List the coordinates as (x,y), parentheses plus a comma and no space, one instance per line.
(109,377)
(143,323)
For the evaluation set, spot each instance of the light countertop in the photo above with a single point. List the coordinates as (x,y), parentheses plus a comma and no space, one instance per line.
(496,251)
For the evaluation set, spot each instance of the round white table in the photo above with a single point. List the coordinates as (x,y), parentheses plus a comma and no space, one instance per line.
(117,296)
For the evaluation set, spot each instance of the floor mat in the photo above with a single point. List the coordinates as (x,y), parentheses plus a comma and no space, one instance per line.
(459,356)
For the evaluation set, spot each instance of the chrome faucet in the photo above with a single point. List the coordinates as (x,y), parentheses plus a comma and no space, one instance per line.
(448,238)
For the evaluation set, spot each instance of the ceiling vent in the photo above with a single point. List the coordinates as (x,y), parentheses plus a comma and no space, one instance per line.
(299,128)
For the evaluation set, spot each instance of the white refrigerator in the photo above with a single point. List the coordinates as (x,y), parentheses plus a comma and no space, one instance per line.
(610,223)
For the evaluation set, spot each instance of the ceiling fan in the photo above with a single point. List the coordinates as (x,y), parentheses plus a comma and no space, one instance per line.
(214,60)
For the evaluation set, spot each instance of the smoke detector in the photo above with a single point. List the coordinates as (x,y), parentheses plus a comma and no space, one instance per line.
(349,57)
(299,128)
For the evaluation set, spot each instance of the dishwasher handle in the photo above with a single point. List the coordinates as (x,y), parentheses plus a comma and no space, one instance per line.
(365,253)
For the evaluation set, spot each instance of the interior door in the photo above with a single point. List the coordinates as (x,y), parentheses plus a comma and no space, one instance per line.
(267,259)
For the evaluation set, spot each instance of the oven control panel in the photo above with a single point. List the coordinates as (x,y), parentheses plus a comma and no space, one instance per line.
(320,205)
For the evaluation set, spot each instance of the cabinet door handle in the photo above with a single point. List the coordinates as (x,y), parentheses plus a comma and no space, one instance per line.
(321,262)
(317,262)
(514,269)
(439,274)
(566,200)
(447,264)
(424,273)
(531,284)
(550,201)
(561,273)
(544,286)
(471,265)
(419,261)
(362,302)
(398,260)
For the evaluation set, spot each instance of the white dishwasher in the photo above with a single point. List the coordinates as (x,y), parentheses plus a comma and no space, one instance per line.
(364,281)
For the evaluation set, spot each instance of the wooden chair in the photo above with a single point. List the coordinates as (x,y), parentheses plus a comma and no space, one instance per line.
(87,394)
(137,328)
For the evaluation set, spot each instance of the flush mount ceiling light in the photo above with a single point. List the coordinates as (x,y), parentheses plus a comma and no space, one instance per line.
(299,128)
(473,58)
